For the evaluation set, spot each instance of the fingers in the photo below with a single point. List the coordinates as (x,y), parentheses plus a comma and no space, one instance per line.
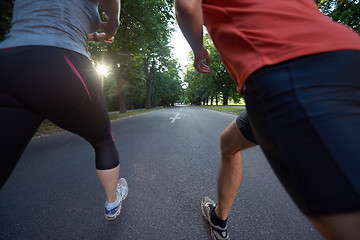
(202,68)
(198,62)
(105,16)
(108,26)
(110,40)
(103,37)
(206,56)
(207,60)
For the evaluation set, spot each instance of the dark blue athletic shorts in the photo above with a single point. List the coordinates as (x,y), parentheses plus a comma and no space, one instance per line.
(305,115)
(242,122)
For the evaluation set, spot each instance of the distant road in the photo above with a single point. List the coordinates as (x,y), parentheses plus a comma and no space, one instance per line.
(170,158)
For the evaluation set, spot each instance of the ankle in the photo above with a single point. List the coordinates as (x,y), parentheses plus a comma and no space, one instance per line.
(216,220)
(220,213)
(112,200)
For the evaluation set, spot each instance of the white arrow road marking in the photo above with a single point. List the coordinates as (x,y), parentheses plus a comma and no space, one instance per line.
(174,118)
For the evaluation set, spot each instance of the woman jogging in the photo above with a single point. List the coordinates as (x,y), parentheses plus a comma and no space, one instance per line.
(45,72)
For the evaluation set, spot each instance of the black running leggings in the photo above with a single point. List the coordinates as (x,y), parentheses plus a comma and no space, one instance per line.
(39,82)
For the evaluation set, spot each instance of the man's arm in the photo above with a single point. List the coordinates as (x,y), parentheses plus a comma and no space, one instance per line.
(190,20)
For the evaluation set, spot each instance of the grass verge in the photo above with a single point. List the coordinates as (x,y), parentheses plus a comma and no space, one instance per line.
(230,109)
(48,128)
(116,116)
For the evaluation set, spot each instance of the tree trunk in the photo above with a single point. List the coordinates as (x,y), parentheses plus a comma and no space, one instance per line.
(148,76)
(132,103)
(148,94)
(119,82)
(122,104)
(225,100)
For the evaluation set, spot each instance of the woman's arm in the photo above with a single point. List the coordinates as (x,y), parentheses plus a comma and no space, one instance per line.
(111,13)
(100,37)
(190,20)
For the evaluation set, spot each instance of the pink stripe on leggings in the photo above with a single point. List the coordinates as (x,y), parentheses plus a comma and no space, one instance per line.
(77,73)
(111,135)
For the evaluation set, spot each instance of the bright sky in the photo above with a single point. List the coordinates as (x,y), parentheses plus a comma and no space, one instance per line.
(181,47)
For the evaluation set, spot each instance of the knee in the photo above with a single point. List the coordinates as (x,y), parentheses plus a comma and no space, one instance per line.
(106,155)
(233,141)
(227,144)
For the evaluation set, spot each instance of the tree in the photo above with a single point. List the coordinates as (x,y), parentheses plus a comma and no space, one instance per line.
(166,84)
(223,82)
(141,38)
(344,11)
(150,34)
(217,83)
(200,87)
(6,9)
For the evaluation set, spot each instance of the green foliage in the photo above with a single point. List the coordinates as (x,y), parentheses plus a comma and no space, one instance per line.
(6,8)
(141,42)
(223,82)
(166,85)
(135,94)
(202,87)
(111,94)
(344,11)
(199,87)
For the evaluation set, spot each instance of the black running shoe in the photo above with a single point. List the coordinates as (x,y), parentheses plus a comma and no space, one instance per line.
(217,232)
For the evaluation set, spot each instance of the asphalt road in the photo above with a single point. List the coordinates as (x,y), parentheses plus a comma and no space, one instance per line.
(170,159)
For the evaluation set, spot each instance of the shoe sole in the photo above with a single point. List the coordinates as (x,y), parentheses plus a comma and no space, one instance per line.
(207,218)
(127,186)
(115,215)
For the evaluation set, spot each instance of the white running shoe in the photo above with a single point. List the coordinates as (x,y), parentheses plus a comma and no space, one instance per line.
(217,232)
(112,211)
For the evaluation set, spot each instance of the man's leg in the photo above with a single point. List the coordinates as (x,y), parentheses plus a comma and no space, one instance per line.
(229,179)
(235,138)
(300,105)
(338,226)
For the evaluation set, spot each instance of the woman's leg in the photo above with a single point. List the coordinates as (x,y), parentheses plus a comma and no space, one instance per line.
(109,180)
(107,163)
(63,86)
(18,123)
(17,127)
(90,120)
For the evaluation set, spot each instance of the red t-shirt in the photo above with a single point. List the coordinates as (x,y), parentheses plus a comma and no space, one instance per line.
(250,34)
